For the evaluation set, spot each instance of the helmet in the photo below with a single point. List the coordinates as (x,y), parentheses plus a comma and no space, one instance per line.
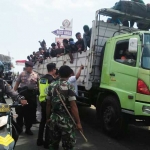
(1,67)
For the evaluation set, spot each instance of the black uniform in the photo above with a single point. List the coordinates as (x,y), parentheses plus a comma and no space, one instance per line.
(6,89)
(43,118)
(27,113)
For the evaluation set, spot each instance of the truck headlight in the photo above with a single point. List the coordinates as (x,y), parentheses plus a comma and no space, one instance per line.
(146,109)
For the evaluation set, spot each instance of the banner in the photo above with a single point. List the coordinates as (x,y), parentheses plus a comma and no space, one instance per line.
(20,62)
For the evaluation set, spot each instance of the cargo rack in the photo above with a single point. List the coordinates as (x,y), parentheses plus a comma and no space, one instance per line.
(121,15)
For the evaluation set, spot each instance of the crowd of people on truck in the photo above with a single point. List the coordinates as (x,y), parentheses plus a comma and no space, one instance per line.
(69,47)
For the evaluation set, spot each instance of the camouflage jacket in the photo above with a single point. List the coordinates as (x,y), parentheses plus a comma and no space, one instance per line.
(67,93)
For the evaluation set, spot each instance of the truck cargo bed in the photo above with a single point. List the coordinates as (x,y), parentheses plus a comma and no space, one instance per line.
(90,76)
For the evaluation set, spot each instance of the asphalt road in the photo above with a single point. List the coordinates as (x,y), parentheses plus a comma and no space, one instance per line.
(137,138)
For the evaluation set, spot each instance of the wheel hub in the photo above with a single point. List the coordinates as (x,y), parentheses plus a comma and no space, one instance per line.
(108,117)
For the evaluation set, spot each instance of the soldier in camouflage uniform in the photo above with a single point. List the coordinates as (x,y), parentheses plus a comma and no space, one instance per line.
(61,125)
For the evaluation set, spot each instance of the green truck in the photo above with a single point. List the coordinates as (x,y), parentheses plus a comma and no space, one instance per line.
(116,78)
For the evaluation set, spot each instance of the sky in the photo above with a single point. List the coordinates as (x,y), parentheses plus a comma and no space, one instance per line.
(24,22)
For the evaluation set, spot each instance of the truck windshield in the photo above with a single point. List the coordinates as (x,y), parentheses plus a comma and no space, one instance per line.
(145,60)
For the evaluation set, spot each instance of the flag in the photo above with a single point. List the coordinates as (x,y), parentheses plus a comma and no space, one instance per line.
(20,62)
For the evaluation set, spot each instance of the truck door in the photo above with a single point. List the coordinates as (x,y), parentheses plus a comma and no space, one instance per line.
(123,74)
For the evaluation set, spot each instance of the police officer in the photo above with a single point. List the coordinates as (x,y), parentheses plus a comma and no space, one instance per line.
(61,125)
(28,79)
(44,82)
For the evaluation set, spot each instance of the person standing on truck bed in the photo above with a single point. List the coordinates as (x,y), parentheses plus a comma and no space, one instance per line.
(80,43)
(61,125)
(87,36)
(73,79)
(114,21)
(27,79)
(44,82)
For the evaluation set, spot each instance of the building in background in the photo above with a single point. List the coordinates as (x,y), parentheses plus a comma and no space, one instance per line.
(7,62)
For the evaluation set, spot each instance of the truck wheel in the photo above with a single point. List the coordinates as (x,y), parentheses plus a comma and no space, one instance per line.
(110,116)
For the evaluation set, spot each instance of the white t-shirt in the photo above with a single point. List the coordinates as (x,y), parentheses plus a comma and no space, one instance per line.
(73,81)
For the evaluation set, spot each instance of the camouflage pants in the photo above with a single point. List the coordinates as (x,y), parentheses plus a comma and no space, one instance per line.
(61,128)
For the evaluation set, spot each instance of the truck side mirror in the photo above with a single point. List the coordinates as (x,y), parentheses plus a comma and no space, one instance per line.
(133,45)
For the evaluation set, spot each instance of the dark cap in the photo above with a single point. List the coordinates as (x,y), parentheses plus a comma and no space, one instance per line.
(28,64)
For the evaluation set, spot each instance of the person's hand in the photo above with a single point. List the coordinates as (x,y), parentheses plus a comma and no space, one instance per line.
(79,127)
(81,67)
(23,102)
(79,49)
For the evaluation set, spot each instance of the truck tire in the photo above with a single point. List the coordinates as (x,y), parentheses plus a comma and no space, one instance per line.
(109,113)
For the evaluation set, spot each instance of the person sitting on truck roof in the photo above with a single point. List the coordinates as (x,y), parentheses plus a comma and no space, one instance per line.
(67,49)
(114,21)
(80,43)
(87,36)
